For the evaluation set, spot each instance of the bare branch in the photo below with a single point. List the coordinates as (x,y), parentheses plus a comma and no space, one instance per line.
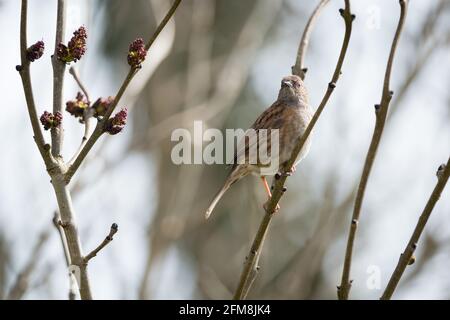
(24,71)
(381,112)
(108,239)
(58,78)
(443,173)
(299,68)
(250,266)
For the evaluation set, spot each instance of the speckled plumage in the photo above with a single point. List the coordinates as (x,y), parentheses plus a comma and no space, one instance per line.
(290,114)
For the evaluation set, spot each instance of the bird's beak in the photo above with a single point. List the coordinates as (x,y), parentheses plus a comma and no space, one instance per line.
(286,83)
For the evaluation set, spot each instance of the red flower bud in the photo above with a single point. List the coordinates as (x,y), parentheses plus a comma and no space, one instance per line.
(136,53)
(50,121)
(35,51)
(117,123)
(101,106)
(76,47)
(76,107)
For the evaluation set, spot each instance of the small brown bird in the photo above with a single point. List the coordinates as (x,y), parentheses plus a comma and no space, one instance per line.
(290,114)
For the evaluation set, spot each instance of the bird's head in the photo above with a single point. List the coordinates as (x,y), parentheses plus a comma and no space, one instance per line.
(293,89)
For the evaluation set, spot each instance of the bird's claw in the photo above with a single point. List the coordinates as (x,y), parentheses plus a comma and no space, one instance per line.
(286,173)
(266,206)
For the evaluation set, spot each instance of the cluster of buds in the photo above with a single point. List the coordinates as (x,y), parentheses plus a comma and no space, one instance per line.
(116,124)
(75,49)
(136,53)
(78,106)
(50,120)
(35,51)
(101,106)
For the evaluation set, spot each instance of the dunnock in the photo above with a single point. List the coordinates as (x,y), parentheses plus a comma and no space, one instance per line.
(290,114)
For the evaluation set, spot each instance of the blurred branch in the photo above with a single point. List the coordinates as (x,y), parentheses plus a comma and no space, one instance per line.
(381,112)
(428,28)
(232,76)
(99,129)
(251,264)
(443,173)
(426,45)
(229,83)
(113,230)
(299,68)
(22,282)
(5,260)
(58,78)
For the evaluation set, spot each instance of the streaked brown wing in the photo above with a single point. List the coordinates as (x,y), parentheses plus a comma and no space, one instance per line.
(272,118)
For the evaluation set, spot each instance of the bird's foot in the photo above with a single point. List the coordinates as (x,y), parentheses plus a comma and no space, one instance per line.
(286,173)
(266,206)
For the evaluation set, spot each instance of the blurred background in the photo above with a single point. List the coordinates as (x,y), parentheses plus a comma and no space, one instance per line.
(221,61)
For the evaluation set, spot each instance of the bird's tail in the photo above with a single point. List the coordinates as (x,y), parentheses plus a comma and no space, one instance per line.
(216,199)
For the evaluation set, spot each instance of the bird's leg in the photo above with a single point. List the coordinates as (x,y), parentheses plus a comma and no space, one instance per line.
(266,186)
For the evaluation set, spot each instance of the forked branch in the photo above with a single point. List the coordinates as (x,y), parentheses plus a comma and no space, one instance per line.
(99,129)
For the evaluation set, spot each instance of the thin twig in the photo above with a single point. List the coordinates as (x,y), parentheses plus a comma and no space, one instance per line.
(87,114)
(57,223)
(58,78)
(99,129)
(299,68)
(112,231)
(251,266)
(72,281)
(24,71)
(163,23)
(381,112)
(405,258)
(73,71)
